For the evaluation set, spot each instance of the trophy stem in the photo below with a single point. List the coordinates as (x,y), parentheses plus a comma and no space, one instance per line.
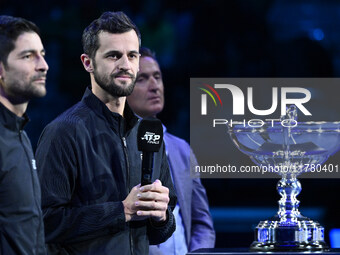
(288,204)
(288,230)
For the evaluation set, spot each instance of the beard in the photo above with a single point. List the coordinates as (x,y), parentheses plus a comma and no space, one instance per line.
(107,83)
(19,91)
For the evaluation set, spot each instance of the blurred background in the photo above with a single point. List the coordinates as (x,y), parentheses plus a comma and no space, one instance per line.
(244,38)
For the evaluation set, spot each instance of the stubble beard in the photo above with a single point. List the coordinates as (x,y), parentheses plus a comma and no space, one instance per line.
(19,92)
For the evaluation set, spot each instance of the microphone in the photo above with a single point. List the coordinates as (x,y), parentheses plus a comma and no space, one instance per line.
(149,140)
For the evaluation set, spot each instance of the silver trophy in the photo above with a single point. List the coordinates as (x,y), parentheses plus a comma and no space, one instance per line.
(289,148)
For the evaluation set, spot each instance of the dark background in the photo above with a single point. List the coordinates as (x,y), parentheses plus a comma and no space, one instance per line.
(244,38)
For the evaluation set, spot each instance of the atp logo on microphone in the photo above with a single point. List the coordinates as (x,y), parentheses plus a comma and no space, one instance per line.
(151,137)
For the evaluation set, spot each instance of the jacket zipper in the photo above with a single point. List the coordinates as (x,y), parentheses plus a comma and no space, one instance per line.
(127,164)
(33,185)
(127,187)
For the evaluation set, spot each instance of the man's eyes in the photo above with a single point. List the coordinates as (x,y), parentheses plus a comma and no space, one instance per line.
(144,78)
(133,56)
(140,79)
(33,55)
(116,56)
(27,56)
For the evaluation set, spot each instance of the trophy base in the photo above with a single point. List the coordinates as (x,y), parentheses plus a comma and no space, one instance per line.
(303,235)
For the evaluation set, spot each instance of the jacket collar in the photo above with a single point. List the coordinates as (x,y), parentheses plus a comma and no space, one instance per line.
(101,109)
(12,121)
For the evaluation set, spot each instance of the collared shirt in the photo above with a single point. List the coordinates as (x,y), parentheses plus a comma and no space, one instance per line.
(176,244)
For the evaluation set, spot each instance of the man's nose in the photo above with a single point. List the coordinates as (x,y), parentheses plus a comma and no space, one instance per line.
(124,63)
(153,83)
(42,64)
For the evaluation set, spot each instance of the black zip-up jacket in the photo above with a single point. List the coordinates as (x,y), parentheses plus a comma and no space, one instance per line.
(88,162)
(21,225)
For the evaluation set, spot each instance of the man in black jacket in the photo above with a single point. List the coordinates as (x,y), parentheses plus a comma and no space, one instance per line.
(22,77)
(89,162)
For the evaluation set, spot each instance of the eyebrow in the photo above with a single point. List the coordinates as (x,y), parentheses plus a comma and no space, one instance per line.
(135,52)
(30,51)
(157,72)
(119,52)
(144,75)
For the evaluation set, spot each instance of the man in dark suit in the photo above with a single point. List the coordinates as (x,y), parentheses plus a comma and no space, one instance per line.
(194,226)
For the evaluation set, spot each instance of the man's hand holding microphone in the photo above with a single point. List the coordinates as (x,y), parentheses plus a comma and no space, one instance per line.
(148,200)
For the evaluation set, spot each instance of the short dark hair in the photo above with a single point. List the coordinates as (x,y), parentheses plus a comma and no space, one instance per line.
(112,22)
(10,29)
(146,52)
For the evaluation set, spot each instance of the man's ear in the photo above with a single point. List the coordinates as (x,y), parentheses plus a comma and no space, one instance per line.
(2,68)
(87,62)
(2,74)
